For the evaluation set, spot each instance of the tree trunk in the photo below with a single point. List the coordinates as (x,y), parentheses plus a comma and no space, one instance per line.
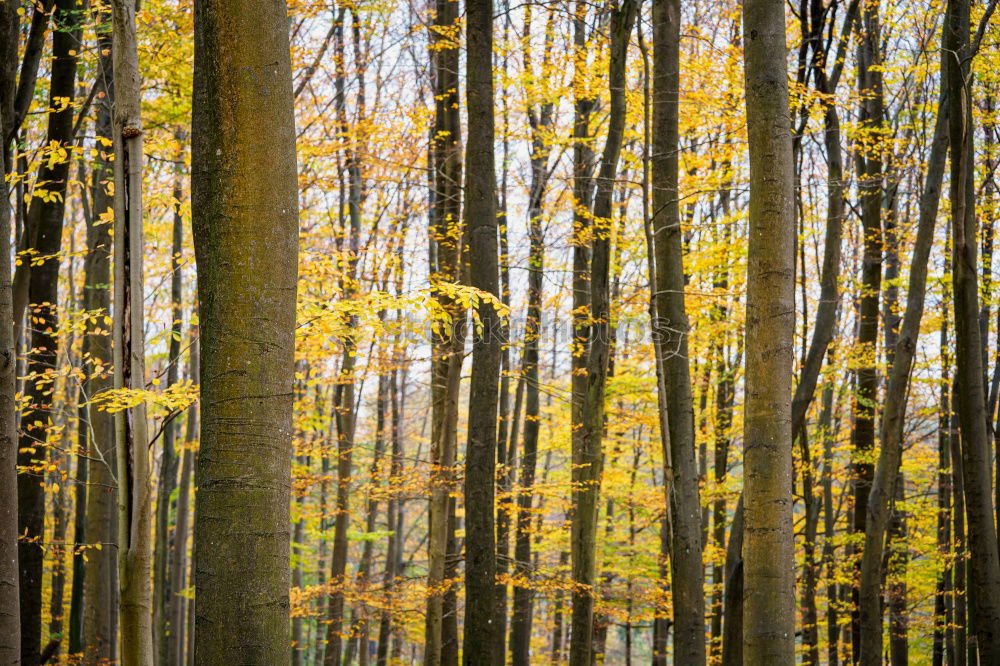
(60,524)
(811,506)
(480,455)
(581,604)
(135,502)
(82,476)
(961,545)
(890,455)
(178,563)
(21,102)
(505,446)
(768,549)
(587,450)
(164,552)
(361,627)
(44,228)
(870,177)
(661,621)
(393,522)
(829,300)
(732,626)
(984,563)
(246,245)
(944,643)
(540,116)
(687,573)
(101,574)
(898,557)
(345,415)
(448,342)
(10,617)
(829,526)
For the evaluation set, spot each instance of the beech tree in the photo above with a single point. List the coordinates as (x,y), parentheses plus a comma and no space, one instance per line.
(768,553)
(481,225)
(43,235)
(672,327)
(246,239)
(10,614)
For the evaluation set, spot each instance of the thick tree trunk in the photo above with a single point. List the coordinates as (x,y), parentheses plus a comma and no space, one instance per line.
(480,455)
(826,313)
(768,549)
(101,574)
(671,326)
(44,228)
(587,449)
(984,563)
(246,246)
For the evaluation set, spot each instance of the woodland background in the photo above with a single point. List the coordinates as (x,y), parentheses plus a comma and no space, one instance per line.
(380,124)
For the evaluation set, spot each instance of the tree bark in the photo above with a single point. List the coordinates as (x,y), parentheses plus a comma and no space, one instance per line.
(393,517)
(45,226)
(135,501)
(944,636)
(869,161)
(768,549)
(480,455)
(890,455)
(166,551)
(587,450)
(962,629)
(344,407)
(984,563)
(18,98)
(10,614)
(448,341)
(176,649)
(732,626)
(101,574)
(829,528)
(540,116)
(82,473)
(246,246)
(671,326)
